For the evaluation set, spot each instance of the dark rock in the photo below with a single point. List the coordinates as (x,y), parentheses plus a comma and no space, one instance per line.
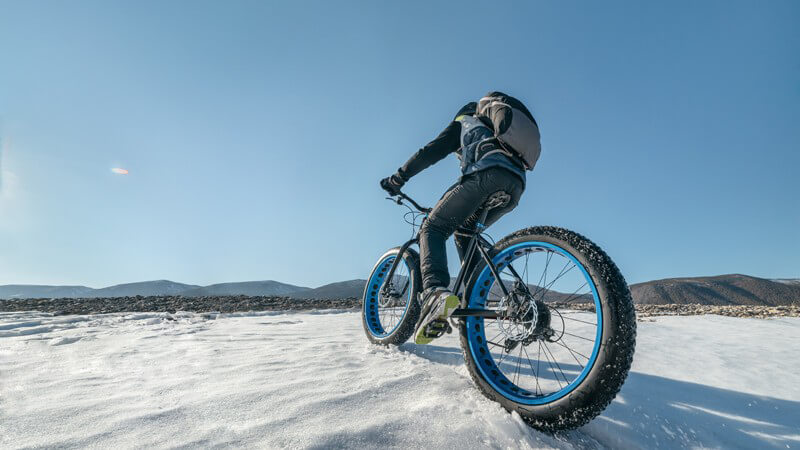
(104,305)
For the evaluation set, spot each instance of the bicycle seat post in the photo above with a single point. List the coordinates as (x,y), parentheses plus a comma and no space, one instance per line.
(481,223)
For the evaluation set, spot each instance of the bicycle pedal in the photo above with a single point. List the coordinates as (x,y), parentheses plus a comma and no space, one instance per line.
(447,328)
(437,328)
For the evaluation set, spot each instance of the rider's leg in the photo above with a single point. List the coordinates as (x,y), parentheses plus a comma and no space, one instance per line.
(496,180)
(455,206)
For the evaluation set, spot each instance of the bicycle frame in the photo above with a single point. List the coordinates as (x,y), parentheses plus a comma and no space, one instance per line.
(476,243)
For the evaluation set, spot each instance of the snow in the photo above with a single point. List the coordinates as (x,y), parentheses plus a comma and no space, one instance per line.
(311,380)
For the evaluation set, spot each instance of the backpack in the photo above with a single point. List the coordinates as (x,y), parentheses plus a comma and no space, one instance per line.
(514,126)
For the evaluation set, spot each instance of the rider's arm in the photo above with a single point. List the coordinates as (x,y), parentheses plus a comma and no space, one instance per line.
(447,142)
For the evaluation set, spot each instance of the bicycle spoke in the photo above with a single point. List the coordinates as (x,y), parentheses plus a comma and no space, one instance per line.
(547,349)
(519,362)
(579,337)
(538,360)
(531,366)
(543,276)
(502,355)
(551,366)
(560,274)
(574,292)
(573,352)
(525,272)
(497,335)
(582,321)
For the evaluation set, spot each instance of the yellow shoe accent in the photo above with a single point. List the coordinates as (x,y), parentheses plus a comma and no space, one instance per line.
(421,339)
(450,303)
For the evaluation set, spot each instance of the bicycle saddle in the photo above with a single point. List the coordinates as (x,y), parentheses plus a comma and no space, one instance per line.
(497,200)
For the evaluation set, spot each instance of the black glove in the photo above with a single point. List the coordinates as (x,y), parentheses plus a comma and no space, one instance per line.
(393,184)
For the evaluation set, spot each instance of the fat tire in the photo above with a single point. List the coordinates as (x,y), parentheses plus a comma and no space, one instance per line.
(405,329)
(617,345)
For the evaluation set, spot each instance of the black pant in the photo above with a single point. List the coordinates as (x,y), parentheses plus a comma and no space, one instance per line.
(459,208)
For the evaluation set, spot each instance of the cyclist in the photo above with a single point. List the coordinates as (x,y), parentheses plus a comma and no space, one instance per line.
(488,165)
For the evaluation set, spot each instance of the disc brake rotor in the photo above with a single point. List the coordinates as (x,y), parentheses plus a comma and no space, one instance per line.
(520,318)
(389,297)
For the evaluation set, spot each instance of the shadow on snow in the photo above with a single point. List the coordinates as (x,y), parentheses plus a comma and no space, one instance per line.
(654,411)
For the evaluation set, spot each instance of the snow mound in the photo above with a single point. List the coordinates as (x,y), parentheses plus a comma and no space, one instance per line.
(311,380)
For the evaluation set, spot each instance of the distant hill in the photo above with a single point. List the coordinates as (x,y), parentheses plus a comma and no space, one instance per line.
(42,291)
(732,289)
(157,287)
(254,288)
(719,290)
(342,289)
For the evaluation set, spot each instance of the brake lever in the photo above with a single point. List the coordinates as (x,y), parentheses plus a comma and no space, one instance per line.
(397,200)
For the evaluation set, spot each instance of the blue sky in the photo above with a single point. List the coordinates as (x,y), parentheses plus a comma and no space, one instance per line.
(256,132)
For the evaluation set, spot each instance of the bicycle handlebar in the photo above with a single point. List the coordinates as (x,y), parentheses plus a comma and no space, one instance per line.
(401,196)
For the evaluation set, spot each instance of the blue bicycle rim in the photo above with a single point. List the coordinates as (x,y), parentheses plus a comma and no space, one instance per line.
(477,340)
(372,308)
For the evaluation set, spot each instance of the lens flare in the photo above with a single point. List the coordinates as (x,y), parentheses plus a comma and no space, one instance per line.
(120,171)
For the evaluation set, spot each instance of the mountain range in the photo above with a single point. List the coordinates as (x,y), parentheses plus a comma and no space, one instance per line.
(734,289)
(719,290)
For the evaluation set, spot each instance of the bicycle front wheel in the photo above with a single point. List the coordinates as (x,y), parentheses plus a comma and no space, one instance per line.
(390,309)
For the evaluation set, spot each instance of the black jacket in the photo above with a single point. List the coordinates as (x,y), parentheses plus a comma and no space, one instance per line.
(449,141)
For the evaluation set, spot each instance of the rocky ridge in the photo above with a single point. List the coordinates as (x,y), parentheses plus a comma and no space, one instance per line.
(696,309)
(224,304)
(243,303)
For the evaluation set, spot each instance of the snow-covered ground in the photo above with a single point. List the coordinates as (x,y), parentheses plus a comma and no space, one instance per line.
(311,380)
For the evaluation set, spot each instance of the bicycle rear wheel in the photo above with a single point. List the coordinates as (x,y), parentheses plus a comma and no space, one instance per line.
(390,309)
(565,344)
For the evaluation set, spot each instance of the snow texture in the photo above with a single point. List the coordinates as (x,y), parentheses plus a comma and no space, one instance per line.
(311,380)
